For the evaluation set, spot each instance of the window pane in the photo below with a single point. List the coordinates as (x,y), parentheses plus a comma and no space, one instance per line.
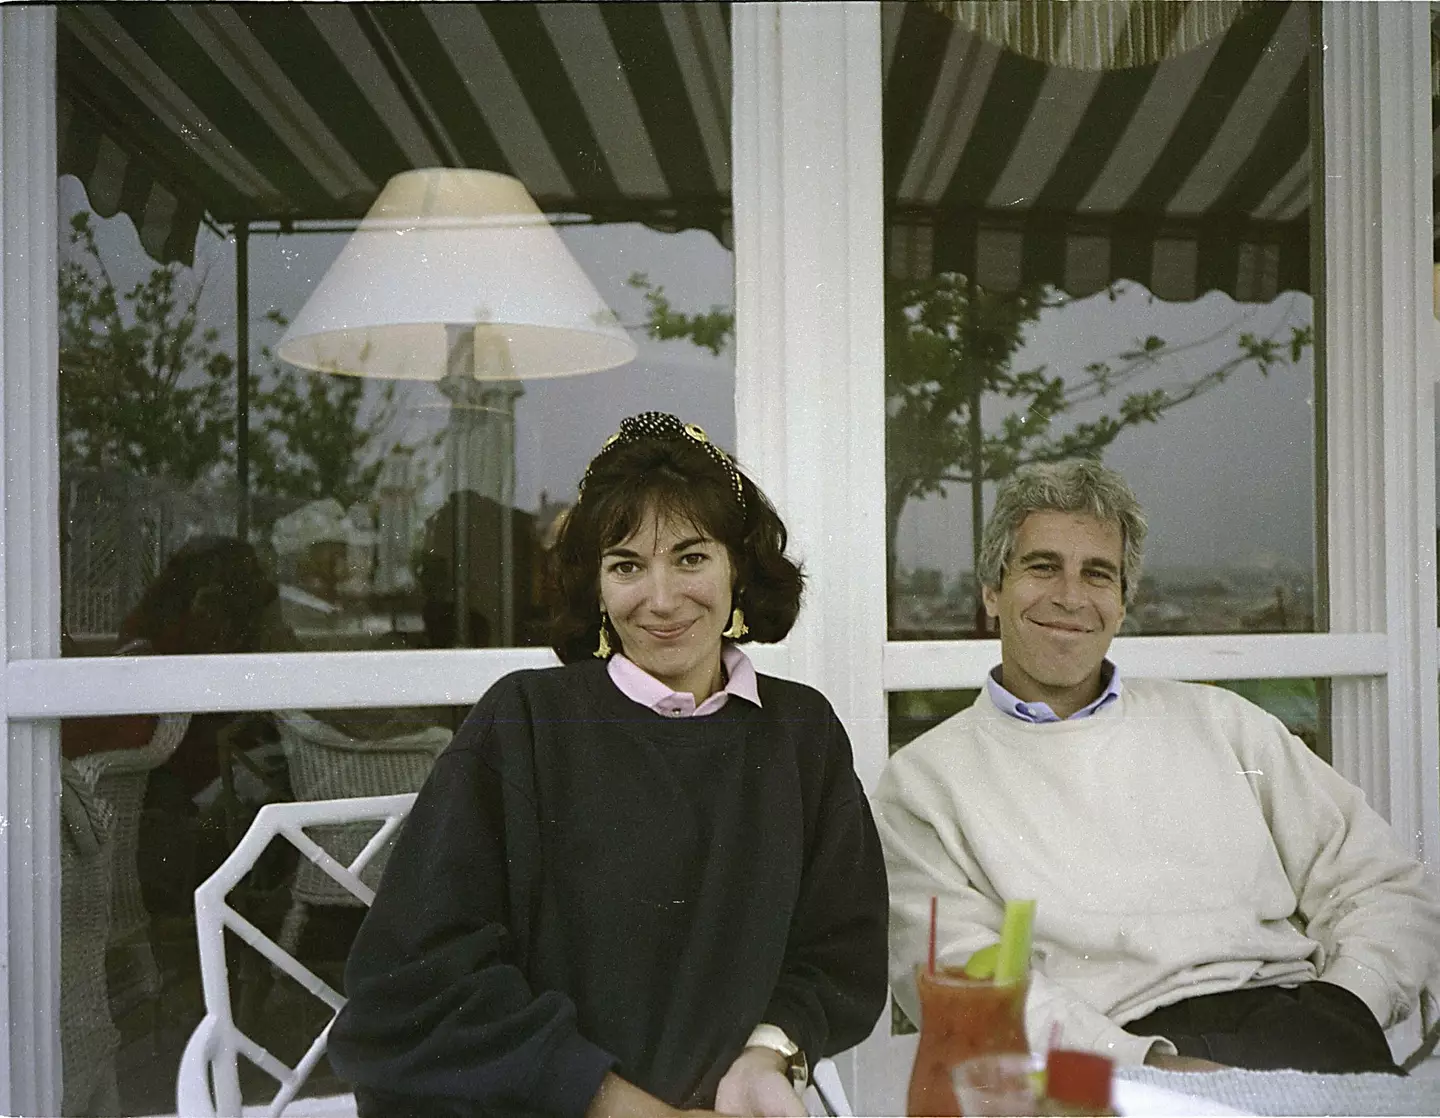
(1090,257)
(217,160)
(151,805)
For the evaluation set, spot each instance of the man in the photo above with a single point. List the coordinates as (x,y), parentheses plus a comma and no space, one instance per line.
(1209,892)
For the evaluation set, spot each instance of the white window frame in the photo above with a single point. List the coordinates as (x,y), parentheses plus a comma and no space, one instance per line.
(810,423)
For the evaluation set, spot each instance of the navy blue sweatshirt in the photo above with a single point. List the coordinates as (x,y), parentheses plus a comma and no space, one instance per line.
(585,885)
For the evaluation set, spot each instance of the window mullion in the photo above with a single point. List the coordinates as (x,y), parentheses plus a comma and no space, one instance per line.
(29,557)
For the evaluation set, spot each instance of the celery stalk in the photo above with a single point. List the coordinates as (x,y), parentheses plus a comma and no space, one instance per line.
(1015,939)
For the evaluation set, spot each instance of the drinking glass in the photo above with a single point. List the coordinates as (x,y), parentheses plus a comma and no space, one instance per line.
(960,1017)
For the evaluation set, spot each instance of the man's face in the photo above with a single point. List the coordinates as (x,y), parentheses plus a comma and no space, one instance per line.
(1060,605)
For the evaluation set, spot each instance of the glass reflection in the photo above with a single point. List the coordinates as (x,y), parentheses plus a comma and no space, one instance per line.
(1090,253)
(177,417)
(151,805)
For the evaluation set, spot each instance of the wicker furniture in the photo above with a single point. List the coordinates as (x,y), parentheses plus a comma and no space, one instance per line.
(325,763)
(119,777)
(88,1037)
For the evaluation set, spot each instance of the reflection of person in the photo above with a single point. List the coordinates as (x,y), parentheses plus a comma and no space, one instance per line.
(211,596)
(647,879)
(1205,884)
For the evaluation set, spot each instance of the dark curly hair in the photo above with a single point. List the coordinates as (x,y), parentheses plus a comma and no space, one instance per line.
(678,479)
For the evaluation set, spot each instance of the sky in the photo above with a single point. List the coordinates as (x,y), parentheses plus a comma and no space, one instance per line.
(1227,478)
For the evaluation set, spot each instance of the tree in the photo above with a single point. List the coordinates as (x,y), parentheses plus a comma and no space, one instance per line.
(145,388)
(308,439)
(950,345)
(143,385)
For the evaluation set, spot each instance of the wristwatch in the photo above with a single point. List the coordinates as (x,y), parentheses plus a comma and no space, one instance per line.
(797,1067)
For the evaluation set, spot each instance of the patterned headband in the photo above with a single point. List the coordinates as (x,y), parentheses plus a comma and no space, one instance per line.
(667,428)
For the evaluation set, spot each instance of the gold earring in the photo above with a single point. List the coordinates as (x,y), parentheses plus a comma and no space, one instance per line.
(603,649)
(738,628)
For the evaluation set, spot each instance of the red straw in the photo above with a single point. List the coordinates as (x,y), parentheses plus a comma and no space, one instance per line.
(933,903)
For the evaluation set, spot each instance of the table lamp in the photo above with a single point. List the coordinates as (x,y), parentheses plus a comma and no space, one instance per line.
(455,276)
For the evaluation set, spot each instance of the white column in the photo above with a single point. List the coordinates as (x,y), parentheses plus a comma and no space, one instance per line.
(29,560)
(810,394)
(1379,353)
(810,322)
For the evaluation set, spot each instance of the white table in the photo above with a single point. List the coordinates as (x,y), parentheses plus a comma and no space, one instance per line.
(1284,1092)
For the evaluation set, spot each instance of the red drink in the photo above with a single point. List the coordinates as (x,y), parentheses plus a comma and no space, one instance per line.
(960,1017)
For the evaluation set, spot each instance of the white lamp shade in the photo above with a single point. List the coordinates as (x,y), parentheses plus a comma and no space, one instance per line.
(444,248)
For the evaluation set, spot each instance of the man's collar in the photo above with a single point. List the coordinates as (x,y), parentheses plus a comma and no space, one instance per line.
(1040,712)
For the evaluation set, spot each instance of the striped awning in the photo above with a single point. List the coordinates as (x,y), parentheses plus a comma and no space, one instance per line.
(1187,175)
(264,112)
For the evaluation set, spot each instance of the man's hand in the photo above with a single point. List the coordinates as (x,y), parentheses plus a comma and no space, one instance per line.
(1167,1062)
(756,1084)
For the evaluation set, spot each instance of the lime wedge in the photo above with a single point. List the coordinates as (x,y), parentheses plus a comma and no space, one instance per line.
(982,963)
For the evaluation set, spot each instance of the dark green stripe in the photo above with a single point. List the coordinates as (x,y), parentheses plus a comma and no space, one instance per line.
(156,30)
(416,43)
(79,147)
(648,56)
(1283,142)
(1236,58)
(909,86)
(954,245)
(1117,96)
(541,75)
(1217,256)
(1132,251)
(1042,256)
(117,112)
(309,61)
(385,55)
(1294,269)
(1009,100)
(184,226)
(135,191)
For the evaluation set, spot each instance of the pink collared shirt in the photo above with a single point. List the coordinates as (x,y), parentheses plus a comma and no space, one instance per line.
(640,686)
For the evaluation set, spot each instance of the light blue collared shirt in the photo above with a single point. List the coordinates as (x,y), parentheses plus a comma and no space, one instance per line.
(1041,712)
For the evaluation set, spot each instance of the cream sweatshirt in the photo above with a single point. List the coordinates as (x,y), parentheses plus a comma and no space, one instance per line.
(1179,842)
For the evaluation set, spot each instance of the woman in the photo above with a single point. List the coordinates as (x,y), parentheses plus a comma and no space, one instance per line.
(645,880)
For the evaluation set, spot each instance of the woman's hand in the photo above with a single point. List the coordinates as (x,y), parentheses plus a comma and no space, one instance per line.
(619,1098)
(756,1084)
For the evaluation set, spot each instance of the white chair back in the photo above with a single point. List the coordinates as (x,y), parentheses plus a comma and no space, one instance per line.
(209,1078)
(826,1090)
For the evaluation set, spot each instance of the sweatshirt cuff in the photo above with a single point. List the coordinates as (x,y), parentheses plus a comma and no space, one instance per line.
(567,1083)
(1365,983)
(1127,1049)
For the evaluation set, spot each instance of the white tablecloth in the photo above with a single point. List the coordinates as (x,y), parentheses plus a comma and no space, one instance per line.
(1296,1092)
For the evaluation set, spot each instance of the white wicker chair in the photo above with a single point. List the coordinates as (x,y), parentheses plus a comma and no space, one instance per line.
(88,1036)
(326,764)
(119,777)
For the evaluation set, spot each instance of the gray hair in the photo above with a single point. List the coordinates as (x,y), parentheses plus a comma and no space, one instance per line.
(1077,485)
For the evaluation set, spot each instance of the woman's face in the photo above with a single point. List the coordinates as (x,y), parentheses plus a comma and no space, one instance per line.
(667,589)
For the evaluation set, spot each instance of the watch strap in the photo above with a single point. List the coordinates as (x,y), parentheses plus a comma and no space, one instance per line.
(797,1066)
